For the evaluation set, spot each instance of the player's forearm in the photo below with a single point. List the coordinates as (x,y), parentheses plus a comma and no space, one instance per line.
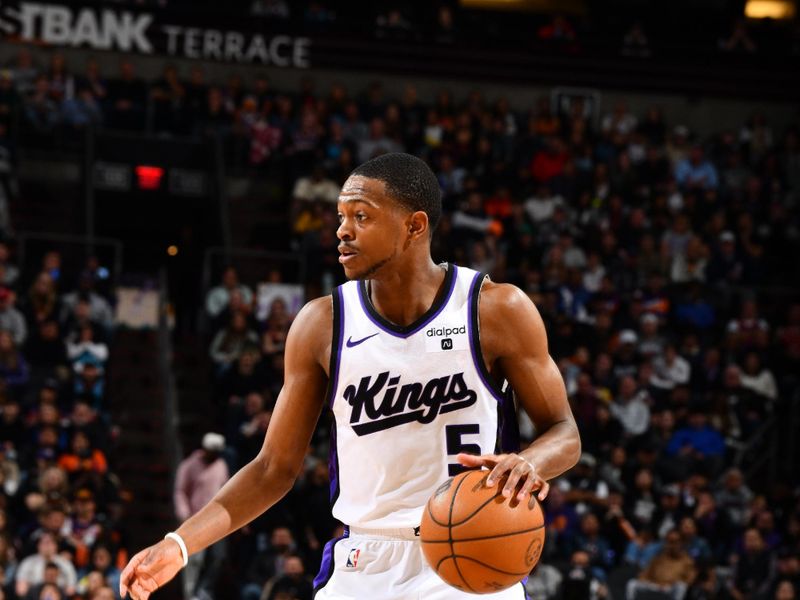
(555,450)
(251,491)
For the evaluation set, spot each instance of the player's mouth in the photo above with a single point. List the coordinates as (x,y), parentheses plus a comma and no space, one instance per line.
(346,254)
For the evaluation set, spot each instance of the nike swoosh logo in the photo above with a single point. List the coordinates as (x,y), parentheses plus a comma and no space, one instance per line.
(350,343)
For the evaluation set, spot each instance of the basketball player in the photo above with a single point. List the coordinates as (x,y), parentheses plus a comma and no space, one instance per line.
(411,357)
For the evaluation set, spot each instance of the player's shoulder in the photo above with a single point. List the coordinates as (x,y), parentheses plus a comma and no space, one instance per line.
(503,299)
(313,326)
(508,318)
(316,314)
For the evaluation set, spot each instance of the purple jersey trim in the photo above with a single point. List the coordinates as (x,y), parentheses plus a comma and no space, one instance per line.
(327,564)
(336,347)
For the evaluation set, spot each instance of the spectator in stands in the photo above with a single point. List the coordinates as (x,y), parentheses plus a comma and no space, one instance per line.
(90,583)
(84,418)
(82,458)
(377,142)
(127,98)
(749,331)
(696,172)
(671,570)
(698,444)
(317,187)
(265,566)
(758,379)
(248,427)
(60,83)
(671,369)
(101,562)
(168,96)
(14,369)
(630,407)
(42,302)
(25,72)
(32,569)
(219,296)
(84,526)
(249,375)
(41,111)
(201,475)
(11,319)
(100,310)
(752,568)
(93,82)
(229,342)
(85,347)
(90,381)
(82,110)
(10,272)
(294,583)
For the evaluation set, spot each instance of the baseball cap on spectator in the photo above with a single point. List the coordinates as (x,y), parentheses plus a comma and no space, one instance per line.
(587,460)
(213,442)
(727,236)
(681,130)
(628,336)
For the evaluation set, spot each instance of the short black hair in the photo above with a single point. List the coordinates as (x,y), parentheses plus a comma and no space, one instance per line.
(409,180)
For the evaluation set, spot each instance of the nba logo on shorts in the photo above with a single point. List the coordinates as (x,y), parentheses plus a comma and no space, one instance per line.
(352,558)
(447,344)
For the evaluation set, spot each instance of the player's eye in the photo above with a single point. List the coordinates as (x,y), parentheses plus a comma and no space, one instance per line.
(360,216)
(340,217)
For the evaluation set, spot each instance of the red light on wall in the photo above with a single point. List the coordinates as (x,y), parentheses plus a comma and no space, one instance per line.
(149,177)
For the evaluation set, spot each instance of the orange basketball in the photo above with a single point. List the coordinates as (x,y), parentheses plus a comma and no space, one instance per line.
(477,540)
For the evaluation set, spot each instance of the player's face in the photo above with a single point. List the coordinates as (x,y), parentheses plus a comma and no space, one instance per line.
(371,227)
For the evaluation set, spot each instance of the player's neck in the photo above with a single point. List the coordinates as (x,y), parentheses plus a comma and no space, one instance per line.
(404,295)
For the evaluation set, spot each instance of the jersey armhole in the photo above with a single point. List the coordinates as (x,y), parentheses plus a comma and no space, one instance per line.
(475,338)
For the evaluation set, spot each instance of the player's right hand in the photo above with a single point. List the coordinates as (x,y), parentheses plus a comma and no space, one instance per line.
(150,569)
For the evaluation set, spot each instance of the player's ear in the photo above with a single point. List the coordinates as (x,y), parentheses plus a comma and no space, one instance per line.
(417,224)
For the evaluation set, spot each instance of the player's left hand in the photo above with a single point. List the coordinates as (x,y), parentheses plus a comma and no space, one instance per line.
(519,470)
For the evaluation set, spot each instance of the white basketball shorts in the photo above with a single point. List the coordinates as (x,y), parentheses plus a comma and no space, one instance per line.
(387,565)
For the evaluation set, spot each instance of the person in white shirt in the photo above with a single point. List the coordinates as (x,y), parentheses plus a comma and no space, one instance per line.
(758,378)
(31,570)
(671,369)
(219,297)
(630,407)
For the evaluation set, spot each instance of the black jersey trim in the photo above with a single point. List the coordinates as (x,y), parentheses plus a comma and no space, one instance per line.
(427,317)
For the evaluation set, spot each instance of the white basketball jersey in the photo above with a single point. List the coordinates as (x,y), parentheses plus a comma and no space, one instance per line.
(406,400)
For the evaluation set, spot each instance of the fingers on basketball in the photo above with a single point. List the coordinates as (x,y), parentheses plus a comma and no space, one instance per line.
(476,539)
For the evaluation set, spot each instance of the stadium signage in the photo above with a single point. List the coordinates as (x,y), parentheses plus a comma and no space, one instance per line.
(147,33)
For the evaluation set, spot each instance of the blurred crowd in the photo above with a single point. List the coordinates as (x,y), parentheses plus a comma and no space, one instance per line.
(59,498)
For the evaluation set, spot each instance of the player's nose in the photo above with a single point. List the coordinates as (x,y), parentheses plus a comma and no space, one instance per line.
(345,232)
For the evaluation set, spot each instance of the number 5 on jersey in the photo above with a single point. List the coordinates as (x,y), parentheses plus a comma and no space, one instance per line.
(454,437)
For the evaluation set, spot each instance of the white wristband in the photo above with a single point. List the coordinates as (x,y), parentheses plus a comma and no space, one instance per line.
(179,540)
